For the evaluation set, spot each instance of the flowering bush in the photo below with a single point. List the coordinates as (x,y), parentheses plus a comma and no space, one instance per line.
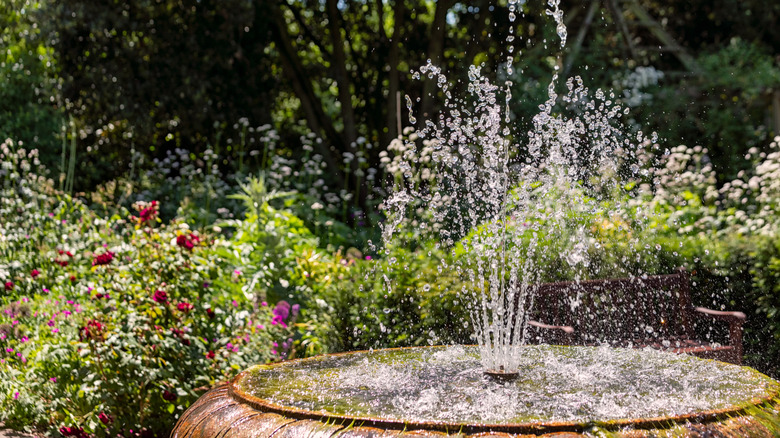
(146,312)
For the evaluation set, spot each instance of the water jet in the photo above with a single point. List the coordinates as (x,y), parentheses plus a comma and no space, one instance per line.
(500,387)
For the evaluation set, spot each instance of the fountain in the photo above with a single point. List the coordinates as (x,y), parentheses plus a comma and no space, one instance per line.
(490,208)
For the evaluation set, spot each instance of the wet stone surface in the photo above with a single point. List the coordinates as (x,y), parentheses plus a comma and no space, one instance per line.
(556,384)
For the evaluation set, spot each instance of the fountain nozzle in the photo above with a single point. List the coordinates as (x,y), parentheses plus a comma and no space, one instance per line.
(502,376)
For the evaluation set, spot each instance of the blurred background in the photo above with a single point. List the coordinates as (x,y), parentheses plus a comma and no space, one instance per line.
(118,93)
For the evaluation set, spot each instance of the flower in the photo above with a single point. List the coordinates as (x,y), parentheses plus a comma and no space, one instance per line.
(184,307)
(210,313)
(147,212)
(187,241)
(210,354)
(34,273)
(105,418)
(9,285)
(169,396)
(277,320)
(103,259)
(73,431)
(160,296)
(93,330)
(282,309)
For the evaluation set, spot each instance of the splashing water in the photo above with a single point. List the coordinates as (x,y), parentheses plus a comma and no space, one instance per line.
(559,384)
(492,202)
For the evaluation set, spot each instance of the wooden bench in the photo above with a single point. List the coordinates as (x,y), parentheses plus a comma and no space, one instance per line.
(653,311)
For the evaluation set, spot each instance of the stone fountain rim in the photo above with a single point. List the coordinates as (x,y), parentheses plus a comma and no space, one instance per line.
(534,427)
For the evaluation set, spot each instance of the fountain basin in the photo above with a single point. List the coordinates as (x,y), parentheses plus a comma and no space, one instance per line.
(442,390)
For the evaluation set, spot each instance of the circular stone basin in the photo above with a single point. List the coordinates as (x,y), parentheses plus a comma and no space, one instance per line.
(580,390)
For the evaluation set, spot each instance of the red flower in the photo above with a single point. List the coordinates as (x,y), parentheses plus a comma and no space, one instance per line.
(73,431)
(103,259)
(72,278)
(148,212)
(210,313)
(61,260)
(187,241)
(9,285)
(210,354)
(105,418)
(160,296)
(34,273)
(169,396)
(93,330)
(184,306)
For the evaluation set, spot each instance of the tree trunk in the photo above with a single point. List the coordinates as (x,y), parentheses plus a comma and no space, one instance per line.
(394,79)
(315,116)
(341,75)
(345,97)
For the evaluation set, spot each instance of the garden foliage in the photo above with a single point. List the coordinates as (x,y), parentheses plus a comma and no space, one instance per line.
(114,323)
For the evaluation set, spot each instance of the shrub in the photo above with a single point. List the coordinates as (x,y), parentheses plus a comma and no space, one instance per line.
(125,306)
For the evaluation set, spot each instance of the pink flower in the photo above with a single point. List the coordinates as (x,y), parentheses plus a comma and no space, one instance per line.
(184,307)
(9,285)
(147,212)
(105,418)
(78,432)
(277,320)
(160,296)
(16,395)
(53,379)
(34,273)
